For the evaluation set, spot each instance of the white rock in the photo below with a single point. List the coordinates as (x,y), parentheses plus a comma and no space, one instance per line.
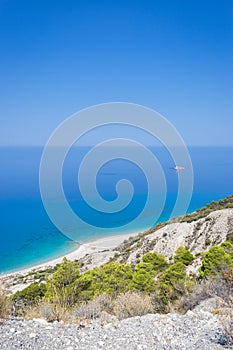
(100,343)
(40,320)
(32,335)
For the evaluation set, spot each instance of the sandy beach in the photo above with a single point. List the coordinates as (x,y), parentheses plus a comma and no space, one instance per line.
(101,247)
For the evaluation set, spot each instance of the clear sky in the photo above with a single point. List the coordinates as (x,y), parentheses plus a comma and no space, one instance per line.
(57,57)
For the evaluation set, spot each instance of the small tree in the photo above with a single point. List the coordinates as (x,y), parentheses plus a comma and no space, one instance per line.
(61,287)
(173,282)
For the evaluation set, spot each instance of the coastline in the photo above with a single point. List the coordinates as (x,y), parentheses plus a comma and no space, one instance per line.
(99,245)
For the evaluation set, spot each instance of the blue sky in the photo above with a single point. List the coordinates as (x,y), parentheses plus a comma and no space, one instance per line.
(57,57)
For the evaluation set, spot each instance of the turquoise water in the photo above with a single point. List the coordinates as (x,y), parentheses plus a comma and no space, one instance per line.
(28,237)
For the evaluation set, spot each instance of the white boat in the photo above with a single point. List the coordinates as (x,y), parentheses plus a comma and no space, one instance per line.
(178,168)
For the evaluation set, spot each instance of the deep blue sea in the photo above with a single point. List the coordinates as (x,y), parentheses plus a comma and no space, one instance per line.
(28,237)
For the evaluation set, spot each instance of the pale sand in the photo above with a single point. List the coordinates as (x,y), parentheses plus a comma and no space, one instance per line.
(97,246)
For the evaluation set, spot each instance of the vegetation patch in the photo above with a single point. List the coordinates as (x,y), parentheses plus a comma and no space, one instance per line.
(205,211)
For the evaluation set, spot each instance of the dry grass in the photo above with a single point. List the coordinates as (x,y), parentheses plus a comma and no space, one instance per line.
(189,301)
(220,286)
(95,308)
(227,323)
(50,312)
(89,310)
(126,305)
(132,304)
(5,305)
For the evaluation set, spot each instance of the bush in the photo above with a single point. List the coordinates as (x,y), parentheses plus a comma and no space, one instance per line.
(132,304)
(215,261)
(53,312)
(173,283)
(157,262)
(31,294)
(112,278)
(144,267)
(230,237)
(142,281)
(220,286)
(175,273)
(228,248)
(105,302)
(183,255)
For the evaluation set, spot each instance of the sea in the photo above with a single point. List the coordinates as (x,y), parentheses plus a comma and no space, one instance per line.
(28,236)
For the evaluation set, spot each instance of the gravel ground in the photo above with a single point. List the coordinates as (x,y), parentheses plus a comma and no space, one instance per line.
(195,330)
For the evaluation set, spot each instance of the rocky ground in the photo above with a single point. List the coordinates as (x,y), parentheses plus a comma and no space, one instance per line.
(195,330)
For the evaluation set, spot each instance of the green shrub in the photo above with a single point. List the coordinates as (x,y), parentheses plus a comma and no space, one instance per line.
(173,283)
(230,238)
(112,278)
(215,261)
(142,281)
(30,294)
(227,246)
(144,267)
(175,273)
(157,262)
(183,255)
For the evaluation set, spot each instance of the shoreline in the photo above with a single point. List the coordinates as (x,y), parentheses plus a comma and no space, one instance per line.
(98,245)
